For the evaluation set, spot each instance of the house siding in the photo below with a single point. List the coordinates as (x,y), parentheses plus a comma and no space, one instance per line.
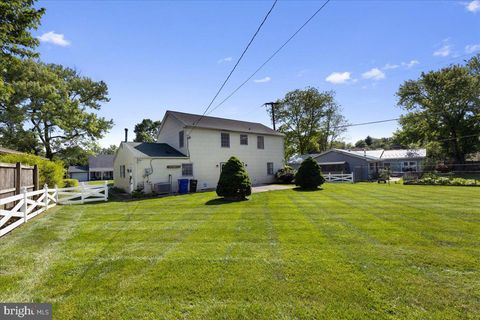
(357,165)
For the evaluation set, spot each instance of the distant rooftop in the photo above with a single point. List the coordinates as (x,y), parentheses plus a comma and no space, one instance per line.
(207,122)
(101,161)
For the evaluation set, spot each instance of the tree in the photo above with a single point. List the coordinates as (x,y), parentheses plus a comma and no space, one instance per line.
(17,18)
(333,125)
(368,141)
(56,102)
(308,117)
(146,131)
(234,182)
(443,106)
(309,175)
(109,150)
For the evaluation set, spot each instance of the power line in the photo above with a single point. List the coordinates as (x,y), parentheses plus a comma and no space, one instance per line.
(271,57)
(237,63)
(366,123)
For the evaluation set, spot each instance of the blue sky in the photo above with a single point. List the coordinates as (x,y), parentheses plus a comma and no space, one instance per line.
(157,55)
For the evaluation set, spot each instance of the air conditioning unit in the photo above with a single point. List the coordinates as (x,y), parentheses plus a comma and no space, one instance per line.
(162,187)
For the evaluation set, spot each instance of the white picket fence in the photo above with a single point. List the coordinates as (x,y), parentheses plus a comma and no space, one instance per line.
(25,206)
(339,177)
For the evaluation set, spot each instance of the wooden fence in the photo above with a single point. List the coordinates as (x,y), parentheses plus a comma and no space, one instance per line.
(28,204)
(340,177)
(13,177)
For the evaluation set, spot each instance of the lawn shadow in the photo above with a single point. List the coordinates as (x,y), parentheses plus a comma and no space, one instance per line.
(298,189)
(220,201)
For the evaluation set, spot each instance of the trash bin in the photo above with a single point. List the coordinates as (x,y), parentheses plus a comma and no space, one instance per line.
(182,186)
(193,185)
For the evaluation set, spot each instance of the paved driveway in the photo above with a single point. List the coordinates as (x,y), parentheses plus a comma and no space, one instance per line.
(271,187)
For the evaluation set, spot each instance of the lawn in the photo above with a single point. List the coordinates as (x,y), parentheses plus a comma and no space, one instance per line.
(349,251)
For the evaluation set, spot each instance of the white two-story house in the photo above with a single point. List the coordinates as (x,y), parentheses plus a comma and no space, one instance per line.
(190,146)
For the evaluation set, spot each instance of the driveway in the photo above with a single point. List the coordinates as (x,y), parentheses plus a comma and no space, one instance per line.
(271,187)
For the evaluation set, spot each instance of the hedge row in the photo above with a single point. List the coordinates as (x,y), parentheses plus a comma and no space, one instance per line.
(443,181)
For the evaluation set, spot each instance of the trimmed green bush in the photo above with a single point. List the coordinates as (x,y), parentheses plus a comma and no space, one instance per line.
(50,172)
(234,182)
(309,175)
(68,183)
(431,179)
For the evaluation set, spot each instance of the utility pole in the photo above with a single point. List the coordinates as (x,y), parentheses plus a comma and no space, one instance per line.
(272,105)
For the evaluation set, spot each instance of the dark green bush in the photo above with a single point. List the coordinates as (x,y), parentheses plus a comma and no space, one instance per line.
(309,175)
(234,182)
(431,179)
(68,183)
(50,172)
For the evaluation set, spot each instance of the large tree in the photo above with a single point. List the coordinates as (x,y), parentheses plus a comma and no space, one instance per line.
(310,120)
(146,131)
(443,107)
(56,103)
(17,19)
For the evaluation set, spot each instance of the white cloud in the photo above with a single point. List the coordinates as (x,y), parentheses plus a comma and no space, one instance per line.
(374,74)
(410,64)
(471,48)
(445,50)
(263,80)
(473,6)
(226,59)
(54,38)
(338,77)
(389,66)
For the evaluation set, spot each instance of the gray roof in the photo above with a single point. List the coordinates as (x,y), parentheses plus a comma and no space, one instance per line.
(371,155)
(190,120)
(77,169)
(156,150)
(101,161)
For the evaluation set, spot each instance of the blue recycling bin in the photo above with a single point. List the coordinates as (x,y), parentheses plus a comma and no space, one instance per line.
(182,186)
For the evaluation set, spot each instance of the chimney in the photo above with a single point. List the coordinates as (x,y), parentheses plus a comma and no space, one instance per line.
(126,134)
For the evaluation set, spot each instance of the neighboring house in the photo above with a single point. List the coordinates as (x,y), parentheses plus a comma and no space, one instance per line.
(78,172)
(366,163)
(194,147)
(99,168)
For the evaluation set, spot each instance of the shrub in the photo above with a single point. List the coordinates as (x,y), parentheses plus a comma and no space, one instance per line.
(50,172)
(285,175)
(431,179)
(234,182)
(68,183)
(309,175)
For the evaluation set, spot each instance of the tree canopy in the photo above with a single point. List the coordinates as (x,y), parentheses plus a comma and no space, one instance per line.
(56,103)
(17,19)
(146,131)
(311,120)
(443,110)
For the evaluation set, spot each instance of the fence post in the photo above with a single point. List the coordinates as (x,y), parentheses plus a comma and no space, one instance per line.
(329,177)
(18,178)
(45,200)
(56,194)
(24,207)
(82,188)
(106,191)
(36,184)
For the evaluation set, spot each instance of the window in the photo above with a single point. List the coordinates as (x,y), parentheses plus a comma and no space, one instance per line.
(260,142)
(187,169)
(181,139)
(122,171)
(270,168)
(409,166)
(386,165)
(225,140)
(244,139)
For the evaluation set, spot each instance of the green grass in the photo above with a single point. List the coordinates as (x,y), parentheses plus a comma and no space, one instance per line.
(363,251)
(99,182)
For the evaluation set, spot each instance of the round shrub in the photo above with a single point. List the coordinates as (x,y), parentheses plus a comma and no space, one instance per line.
(309,175)
(68,183)
(234,182)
